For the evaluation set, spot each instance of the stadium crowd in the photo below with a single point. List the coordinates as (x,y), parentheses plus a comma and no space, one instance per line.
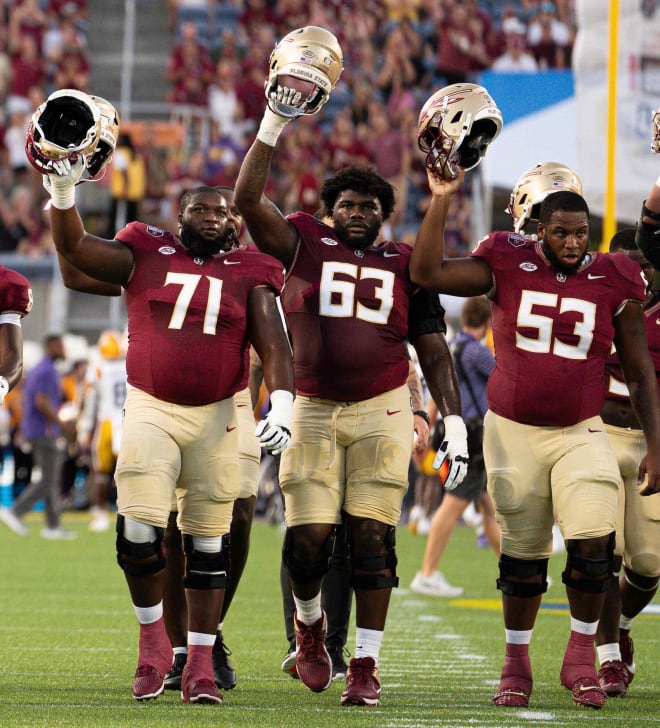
(397,53)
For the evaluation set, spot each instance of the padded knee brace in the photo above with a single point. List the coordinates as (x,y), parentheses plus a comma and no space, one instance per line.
(135,554)
(522,569)
(206,569)
(376,563)
(589,569)
(305,570)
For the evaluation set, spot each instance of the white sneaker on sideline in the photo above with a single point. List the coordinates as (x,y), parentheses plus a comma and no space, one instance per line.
(423,526)
(100,522)
(434,586)
(557,540)
(58,534)
(12,521)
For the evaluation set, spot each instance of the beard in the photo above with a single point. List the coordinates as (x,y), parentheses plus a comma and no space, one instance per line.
(200,245)
(560,265)
(364,241)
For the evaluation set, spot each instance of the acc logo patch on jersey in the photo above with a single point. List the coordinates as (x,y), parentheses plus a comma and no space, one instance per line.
(329,241)
(167,250)
(155,231)
(516,240)
(528,266)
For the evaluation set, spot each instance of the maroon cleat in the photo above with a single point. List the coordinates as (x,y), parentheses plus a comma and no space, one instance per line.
(155,659)
(198,681)
(613,677)
(515,683)
(578,673)
(313,663)
(362,683)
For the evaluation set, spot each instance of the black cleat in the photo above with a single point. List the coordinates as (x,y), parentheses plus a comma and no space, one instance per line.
(223,670)
(173,677)
(339,665)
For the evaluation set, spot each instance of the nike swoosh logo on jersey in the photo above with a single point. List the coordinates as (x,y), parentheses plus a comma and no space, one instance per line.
(589,429)
(592,277)
(393,412)
(230,429)
(390,255)
(232,262)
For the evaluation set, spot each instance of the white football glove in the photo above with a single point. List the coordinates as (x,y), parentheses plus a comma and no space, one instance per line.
(655,144)
(61,182)
(455,449)
(274,431)
(4,388)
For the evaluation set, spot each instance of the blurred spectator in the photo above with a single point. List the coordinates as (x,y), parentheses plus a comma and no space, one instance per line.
(516,58)
(222,159)
(459,47)
(128,183)
(28,70)
(27,223)
(15,145)
(256,14)
(342,146)
(26,18)
(389,150)
(550,37)
(190,69)
(75,11)
(72,71)
(396,62)
(61,38)
(225,107)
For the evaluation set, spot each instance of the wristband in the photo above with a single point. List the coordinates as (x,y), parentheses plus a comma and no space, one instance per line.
(271,127)
(281,402)
(62,197)
(424,416)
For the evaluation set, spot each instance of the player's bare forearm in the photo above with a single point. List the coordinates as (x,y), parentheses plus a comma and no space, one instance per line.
(436,363)
(415,387)
(268,228)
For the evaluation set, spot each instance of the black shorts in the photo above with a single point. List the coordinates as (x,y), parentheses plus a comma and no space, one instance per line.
(474,483)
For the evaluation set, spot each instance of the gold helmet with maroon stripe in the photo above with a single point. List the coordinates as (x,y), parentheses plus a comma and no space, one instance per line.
(312,59)
(455,127)
(534,185)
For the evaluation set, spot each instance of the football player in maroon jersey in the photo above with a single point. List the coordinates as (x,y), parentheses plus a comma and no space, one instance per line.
(192,307)
(557,308)
(637,519)
(15,303)
(174,601)
(350,306)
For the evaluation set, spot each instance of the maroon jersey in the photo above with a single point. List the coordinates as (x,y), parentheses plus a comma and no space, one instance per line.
(347,311)
(615,383)
(15,292)
(552,332)
(187,316)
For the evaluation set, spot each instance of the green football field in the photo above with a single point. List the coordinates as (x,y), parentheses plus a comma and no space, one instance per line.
(68,646)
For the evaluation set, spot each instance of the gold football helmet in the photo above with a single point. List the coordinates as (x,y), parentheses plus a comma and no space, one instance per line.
(455,127)
(110,344)
(655,144)
(107,139)
(310,54)
(534,185)
(65,126)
